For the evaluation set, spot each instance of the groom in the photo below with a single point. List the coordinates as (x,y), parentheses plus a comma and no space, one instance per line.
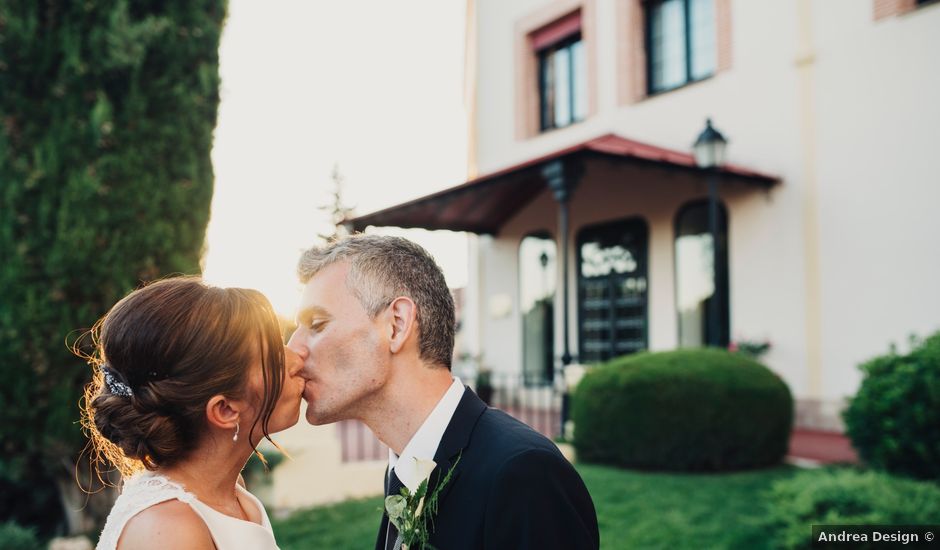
(376,333)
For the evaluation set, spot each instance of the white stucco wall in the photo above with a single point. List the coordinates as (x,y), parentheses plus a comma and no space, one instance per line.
(842,108)
(879,181)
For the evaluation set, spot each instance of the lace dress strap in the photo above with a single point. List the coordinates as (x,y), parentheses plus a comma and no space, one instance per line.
(139,492)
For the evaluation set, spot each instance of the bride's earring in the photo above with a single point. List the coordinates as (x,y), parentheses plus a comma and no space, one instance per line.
(235,437)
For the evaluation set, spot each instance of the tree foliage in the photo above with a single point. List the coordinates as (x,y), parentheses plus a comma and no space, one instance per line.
(107,110)
(337,208)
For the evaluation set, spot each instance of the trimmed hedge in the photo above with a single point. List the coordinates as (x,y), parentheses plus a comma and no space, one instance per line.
(894,419)
(684,410)
(846,497)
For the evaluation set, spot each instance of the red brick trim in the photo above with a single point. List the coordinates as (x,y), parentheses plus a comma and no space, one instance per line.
(889,8)
(723,31)
(631,52)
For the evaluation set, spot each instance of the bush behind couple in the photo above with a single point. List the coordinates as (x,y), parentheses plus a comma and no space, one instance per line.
(189,378)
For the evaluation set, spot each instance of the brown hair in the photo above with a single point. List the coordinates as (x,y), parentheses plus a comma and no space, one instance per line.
(383,268)
(175,344)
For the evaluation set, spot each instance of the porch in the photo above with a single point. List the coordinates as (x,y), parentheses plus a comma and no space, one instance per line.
(576,250)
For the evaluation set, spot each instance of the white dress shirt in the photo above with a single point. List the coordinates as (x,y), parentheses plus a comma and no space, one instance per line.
(424,443)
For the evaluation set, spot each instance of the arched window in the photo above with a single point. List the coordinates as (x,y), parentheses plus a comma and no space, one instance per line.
(537,254)
(696,275)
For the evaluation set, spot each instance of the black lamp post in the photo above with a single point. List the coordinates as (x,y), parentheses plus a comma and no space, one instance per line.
(709,149)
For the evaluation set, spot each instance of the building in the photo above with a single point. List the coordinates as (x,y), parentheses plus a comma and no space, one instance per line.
(583,113)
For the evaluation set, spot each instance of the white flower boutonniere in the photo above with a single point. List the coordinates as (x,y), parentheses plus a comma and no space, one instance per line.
(409,511)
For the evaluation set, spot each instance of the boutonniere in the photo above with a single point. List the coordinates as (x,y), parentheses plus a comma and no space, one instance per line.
(410,511)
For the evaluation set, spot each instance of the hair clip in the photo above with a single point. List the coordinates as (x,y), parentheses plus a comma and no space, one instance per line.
(114,385)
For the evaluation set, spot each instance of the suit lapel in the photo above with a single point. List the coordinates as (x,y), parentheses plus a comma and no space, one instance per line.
(455,439)
(383,525)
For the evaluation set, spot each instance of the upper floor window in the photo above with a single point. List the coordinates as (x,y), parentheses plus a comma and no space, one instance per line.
(562,73)
(681,42)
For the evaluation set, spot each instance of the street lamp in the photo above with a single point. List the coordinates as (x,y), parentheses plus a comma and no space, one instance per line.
(710,147)
(709,150)
(543,261)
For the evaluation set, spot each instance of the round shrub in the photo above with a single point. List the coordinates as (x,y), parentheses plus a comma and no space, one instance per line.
(894,419)
(685,410)
(846,497)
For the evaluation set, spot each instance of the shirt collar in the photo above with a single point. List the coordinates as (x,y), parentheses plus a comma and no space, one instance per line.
(424,443)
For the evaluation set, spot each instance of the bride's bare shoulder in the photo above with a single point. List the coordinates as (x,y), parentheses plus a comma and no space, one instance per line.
(170,524)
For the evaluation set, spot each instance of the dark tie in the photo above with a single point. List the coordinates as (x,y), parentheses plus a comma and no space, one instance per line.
(394,488)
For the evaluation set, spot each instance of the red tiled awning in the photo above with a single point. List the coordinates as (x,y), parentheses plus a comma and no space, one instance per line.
(484,204)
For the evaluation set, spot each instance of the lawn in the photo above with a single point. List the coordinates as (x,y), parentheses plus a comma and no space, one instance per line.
(352,524)
(634,510)
(659,510)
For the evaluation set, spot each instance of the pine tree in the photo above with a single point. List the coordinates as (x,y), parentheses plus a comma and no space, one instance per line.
(337,208)
(107,110)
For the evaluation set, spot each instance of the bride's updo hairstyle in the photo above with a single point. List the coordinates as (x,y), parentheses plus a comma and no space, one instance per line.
(161,353)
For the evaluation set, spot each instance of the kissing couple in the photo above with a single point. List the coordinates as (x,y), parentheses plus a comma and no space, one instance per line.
(189,378)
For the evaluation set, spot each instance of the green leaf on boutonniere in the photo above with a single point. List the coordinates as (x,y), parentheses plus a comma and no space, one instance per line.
(395,506)
(409,512)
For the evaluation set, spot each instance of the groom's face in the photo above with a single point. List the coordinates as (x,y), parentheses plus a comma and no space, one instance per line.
(342,348)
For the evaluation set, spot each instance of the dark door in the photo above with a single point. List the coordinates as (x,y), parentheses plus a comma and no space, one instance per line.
(612,289)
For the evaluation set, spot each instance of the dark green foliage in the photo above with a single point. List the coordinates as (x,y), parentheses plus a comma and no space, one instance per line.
(16,537)
(894,419)
(31,499)
(684,410)
(848,497)
(257,472)
(107,110)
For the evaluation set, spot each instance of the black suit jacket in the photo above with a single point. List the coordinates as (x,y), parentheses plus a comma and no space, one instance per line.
(511,488)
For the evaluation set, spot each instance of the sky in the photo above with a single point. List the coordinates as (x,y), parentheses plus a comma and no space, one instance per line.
(370,86)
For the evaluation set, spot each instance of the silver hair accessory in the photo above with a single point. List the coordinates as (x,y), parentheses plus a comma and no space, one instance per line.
(114,385)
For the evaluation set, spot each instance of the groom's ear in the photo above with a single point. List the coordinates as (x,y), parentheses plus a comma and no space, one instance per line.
(402,322)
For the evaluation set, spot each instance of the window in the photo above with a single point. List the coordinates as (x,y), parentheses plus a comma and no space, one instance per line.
(612,290)
(681,42)
(537,303)
(696,276)
(562,74)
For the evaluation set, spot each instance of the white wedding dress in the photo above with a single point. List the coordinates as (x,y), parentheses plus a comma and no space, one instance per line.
(146,489)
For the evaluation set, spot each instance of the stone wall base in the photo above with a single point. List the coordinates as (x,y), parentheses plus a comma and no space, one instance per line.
(820,414)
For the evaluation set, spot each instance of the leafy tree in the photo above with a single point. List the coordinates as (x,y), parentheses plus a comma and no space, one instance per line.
(107,110)
(337,209)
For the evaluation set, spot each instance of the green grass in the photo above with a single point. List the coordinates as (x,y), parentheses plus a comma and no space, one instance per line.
(667,510)
(634,510)
(352,524)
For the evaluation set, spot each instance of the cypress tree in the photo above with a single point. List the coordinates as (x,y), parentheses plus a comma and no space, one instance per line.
(107,110)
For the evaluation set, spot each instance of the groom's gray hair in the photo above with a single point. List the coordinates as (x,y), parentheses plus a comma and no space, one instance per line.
(383,268)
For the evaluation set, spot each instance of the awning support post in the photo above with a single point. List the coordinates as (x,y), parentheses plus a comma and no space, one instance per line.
(562,178)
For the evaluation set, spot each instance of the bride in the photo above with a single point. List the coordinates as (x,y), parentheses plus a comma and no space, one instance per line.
(188,379)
